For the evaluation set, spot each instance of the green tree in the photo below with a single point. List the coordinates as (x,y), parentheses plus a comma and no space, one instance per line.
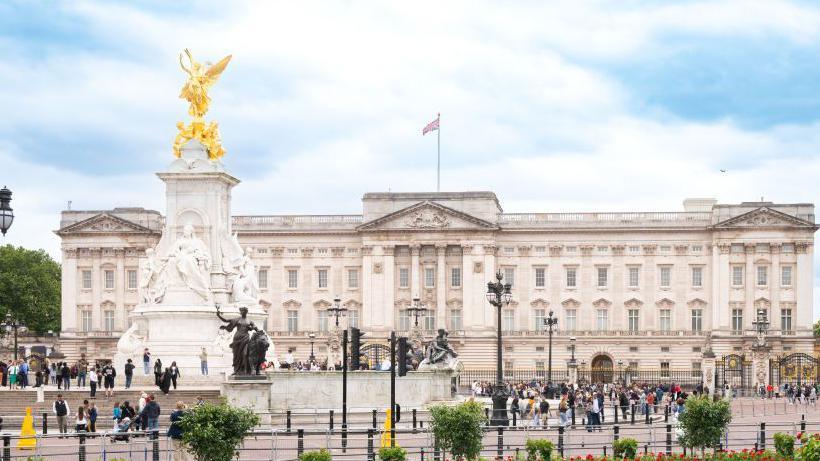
(457,429)
(213,431)
(30,287)
(817,329)
(704,422)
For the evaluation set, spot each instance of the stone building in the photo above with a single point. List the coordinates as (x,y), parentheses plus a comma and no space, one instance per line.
(640,289)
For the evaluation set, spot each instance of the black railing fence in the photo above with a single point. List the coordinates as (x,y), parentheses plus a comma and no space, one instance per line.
(688,379)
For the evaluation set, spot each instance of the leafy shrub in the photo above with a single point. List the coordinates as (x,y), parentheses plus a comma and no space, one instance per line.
(457,429)
(213,431)
(810,449)
(321,455)
(704,422)
(392,454)
(539,450)
(625,448)
(784,444)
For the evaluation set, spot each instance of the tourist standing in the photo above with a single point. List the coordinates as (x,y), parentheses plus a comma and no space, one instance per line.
(93,379)
(158,372)
(82,371)
(174,374)
(175,433)
(545,412)
(65,372)
(203,361)
(23,374)
(129,373)
(152,412)
(142,420)
(109,373)
(60,409)
(146,361)
(127,411)
(81,424)
(92,417)
(13,375)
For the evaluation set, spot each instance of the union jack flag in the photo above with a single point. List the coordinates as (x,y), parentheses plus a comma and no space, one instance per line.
(432,126)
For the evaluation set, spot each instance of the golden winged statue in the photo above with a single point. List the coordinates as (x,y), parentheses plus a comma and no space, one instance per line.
(201,77)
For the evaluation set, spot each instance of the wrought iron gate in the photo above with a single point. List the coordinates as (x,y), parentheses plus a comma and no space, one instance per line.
(376,354)
(798,369)
(735,371)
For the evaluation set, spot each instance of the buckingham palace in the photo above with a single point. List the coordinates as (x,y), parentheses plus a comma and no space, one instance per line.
(643,289)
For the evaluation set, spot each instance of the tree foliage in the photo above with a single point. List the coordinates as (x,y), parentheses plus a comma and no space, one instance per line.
(457,429)
(212,432)
(30,287)
(704,422)
(817,329)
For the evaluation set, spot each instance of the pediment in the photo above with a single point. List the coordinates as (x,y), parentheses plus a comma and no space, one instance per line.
(665,302)
(602,303)
(105,223)
(633,303)
(696,303)
(570,303)
(427,216)
(291,304)
(764,217)
(352,304)
(540,303)
(322,304)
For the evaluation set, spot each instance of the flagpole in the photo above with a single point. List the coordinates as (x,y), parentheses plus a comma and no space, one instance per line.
(438,154)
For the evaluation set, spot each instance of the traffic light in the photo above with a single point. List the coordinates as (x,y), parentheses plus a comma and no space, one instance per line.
(403,355)
(398,412)
(355,348)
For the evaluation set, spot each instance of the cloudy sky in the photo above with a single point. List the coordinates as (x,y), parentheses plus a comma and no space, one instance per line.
(555,106)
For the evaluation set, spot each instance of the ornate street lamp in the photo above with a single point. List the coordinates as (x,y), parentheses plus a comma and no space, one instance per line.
(337,309)
(572,361)
(550,322)
(6,213)
(499,295)
(312,337)
(9,325)
(621,371)
(762,324)
(417,309)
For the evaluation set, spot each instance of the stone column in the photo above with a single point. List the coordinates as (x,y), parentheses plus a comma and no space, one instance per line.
(96,290)
(774,287)
(388,280)
(278,283)
(707,367)
(307,313)
(749,312)
(368,307)
(804,272)
(489,317)
(441,286)
(69,287)
(760,366)
(470,283)
(119,294)
(415,288)
(721,283)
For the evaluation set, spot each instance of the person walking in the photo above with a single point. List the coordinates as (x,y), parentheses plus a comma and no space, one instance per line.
(52,373)
(109,373)
(93,380)
(165,381)
(157,372)
(23,374)
(60,409)
(174,374)
(152,412)
(203,362)
(129,373)
(81,423)
(146,361)
(92,417)
(545,412)
(175,434)
(65,373)
(563,411)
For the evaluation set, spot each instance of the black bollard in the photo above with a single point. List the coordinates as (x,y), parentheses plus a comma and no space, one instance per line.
(422,454)
(632,417)
(287,421)
(668,439)
(414,418)
(616,432)
(155,445)
(666,414)
(515,419)
(370,455)
(646,413)
(803,423)
(762,436)
(6,448)
(331,421)
(375,421)
(616,413)
(561,441)
(573,418)
(500,442)
(81,451)
(436,452)
(300,442)
(604,451)
(45,423)
(487,415)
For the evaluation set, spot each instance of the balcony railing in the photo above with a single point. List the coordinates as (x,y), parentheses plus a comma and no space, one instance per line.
(628,219)
(286,222)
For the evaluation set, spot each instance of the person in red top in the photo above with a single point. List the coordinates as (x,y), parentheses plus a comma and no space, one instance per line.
(769,390)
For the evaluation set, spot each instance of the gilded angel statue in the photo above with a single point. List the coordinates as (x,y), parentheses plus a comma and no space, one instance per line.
(200,79)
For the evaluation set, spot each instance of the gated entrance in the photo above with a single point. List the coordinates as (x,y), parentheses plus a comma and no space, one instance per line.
(735,371)
(798,369)
(376,355)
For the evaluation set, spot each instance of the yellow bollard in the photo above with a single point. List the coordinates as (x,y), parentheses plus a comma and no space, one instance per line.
(27,434)
(386,433)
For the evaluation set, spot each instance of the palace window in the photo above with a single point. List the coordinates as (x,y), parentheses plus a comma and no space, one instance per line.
(786,276)
(404,320)
(634,277)
(697,248)
(108,317)
(786,319)
(737,276)
(109,279)
(509,276)
(404,277)
(262,277)
(132,279)
(665,369)
(539,315)
(508,320)
(762,275)
(353,278)
(634,320)
(85,320)
(293,321)
(353,318)
(788,248)
(540,277)
(87,280)
(321,317)
(602,277)
(665,319)
(539,366)
(322,278)
(665,349)
(455,320)
(571,277)
(428,321)
(429,277)
(570,320)
(697,320)
(455,277)
(696,370)
(601,319)
(666,276)
(293,278)
(633,348)
(603,249)
(697,277)
(737,321)
(634,249)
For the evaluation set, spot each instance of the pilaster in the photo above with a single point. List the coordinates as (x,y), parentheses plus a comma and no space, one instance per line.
(805,276)
(441,286)
(69,286)
(388,281)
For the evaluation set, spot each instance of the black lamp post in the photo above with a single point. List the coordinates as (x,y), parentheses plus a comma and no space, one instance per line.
(621,371)
(550,322)
(312,337)
(417,309)
(6,213)
(762,322)
(9,324)
(337,309)
(572,350)
(499,295)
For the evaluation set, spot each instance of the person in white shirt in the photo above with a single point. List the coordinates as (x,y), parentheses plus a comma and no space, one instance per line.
(289,360)
(81,422)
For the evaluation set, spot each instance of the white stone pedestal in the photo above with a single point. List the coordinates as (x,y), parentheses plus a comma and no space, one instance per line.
(250,393)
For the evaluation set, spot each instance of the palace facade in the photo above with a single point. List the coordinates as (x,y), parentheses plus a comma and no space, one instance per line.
(644,289)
